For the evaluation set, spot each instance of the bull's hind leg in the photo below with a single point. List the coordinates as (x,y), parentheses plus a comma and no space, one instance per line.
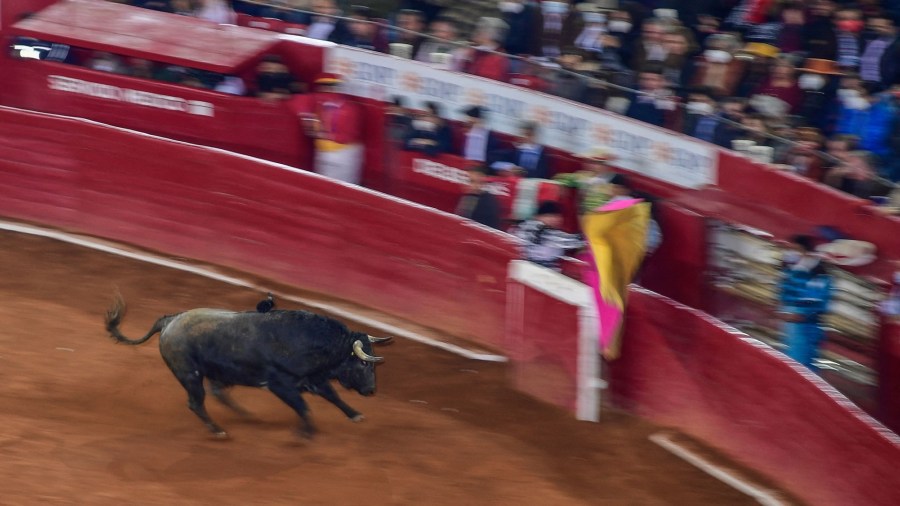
(220,392)
(193,383)
(286,390)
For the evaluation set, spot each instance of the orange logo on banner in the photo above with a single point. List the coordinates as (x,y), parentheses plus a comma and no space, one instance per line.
(475,97)
(345,67)
(540,114)
(662,151)
(603,135)
(411,81)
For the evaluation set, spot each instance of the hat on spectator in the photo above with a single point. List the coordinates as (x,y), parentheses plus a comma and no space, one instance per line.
(599,154)
(760,49)
(821,66)
(327,79)
(548,207)
(605,5)
(474,112)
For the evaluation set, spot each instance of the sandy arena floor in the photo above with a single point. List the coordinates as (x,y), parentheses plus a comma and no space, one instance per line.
(84,421)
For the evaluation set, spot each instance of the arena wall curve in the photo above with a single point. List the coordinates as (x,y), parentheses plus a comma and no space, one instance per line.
(679,367)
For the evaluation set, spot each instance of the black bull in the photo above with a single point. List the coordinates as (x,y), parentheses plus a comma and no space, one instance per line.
(286,352)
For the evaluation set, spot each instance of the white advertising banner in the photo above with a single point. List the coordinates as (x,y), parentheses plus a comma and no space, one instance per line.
(674,158)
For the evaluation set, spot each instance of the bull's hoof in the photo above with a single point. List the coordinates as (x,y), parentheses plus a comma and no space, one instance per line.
(220,435)
(357,418)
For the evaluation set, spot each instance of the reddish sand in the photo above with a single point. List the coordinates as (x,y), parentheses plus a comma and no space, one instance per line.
(85,421)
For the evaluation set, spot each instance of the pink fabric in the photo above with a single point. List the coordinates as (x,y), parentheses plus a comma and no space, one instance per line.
(609,317)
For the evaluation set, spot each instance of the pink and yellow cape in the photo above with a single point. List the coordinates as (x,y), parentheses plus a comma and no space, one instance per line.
(616,234)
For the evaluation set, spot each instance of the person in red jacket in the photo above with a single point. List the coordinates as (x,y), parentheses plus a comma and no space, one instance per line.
(483,59)
(335,124)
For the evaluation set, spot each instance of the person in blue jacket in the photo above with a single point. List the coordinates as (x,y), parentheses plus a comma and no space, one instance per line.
(805,291)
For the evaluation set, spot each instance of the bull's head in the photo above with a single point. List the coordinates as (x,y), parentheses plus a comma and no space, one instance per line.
(358,370)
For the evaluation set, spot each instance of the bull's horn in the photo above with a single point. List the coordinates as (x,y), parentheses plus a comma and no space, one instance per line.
(376,340)
(358,351)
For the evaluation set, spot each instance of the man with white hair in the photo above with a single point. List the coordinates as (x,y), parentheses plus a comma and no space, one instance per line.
(483,59)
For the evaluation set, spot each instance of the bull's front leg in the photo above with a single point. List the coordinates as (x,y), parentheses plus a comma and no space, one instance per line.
(325,390)
(286,390)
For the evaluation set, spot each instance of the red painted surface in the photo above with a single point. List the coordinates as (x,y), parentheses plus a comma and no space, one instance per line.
(681,368)
(542,343)
(678,367)
(284,224)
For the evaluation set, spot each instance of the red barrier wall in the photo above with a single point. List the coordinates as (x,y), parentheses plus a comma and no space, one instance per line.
(681,368)
(282,223)
(807,200)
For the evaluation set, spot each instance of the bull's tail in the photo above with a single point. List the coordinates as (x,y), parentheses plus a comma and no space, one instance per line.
(114,317)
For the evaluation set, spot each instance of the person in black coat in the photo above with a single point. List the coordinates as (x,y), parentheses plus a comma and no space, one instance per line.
(430,133)
(527,153)
(477,204)
(652,104)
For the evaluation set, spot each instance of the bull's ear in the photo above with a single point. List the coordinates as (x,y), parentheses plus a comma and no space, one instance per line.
(358,351)
(376,340)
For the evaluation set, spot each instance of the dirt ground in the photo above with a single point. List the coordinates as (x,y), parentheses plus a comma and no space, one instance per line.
(85,421)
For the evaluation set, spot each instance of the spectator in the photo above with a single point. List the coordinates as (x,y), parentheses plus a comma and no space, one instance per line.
(678,66)
(880,60)
(891,169)
(590,38)
(556,15)
(273,79)
(621,27)
(336,125)
(819,32)
(527,153)
(285,10)
(782,84)
(543,241)
(525,23)
(804,157)
(567,81)
(592,181)
(430,134)
(477,204)
(483,59)
(323,26)
(848,24)
(717,68)
(649,47)
(867,117)
(532,75)
(652,101)
(365,34)
(107,62)
(818,82)
(732,112)
(232,85)
(804,293)
(759,58)
(755,129)
(700,118)
(141,68)
(399,120)
(412,24)
(790,38)
(446,42)
(217,11)
(478,140)
(852,172)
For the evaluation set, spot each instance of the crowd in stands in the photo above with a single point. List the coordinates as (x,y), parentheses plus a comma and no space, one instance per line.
(789,75)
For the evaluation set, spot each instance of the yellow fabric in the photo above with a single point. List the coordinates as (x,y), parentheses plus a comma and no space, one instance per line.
(618,244)
(328,145)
